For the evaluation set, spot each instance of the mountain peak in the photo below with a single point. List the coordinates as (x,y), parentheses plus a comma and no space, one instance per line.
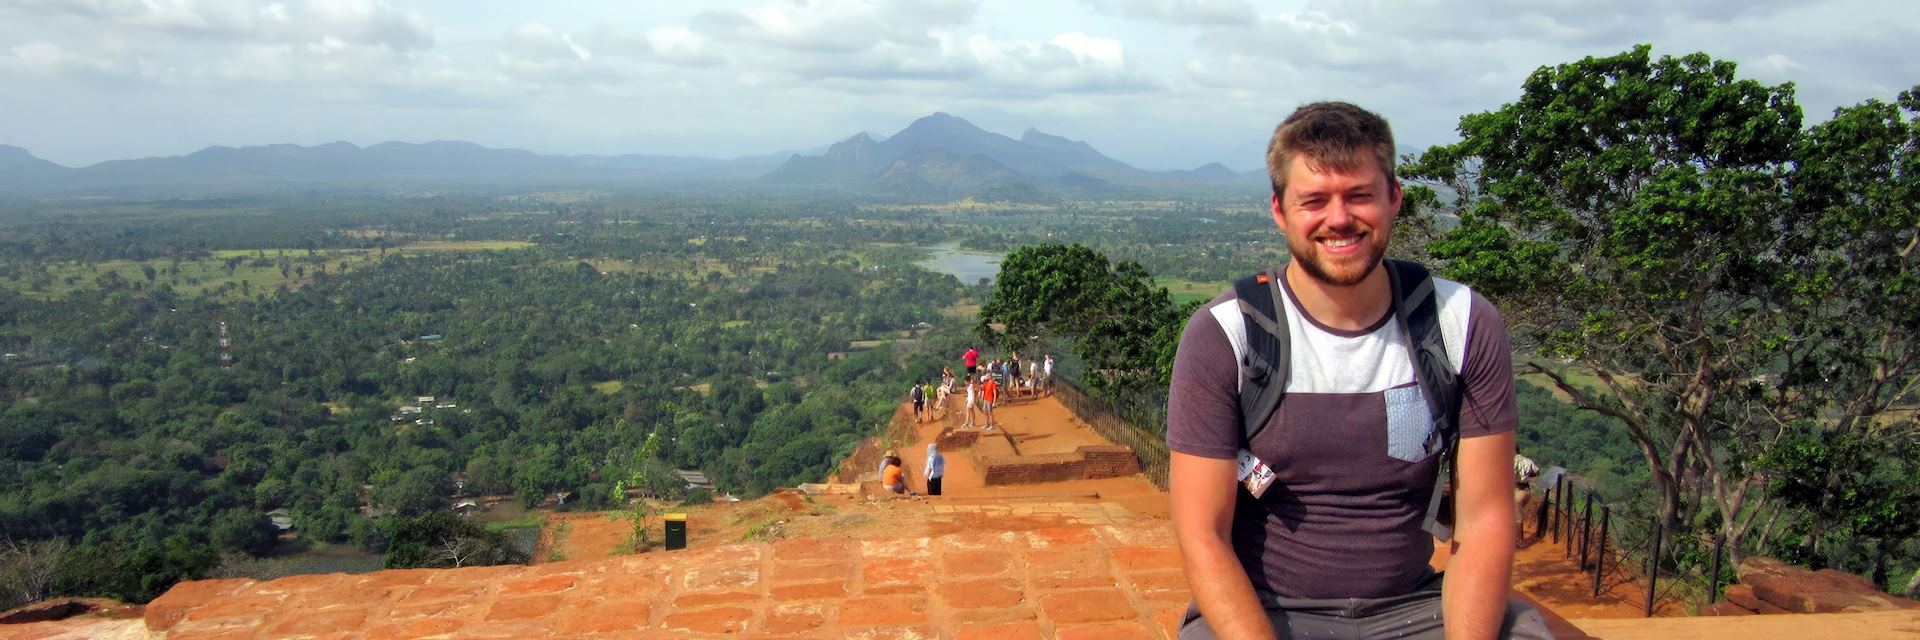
(941,121)
(1036,135)
(22,162)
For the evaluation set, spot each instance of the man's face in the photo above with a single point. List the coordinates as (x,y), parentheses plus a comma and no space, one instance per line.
(1337,223)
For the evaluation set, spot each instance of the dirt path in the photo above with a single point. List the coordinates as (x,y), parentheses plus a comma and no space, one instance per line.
(1037,425)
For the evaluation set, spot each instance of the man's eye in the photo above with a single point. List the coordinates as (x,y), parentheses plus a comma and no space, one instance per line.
(1361,197)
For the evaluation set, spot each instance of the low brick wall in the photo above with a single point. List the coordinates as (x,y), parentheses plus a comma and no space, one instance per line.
(1050,467)
(957,439)
(1086,463)
(1771,586)
(1000,461)
(1108,461)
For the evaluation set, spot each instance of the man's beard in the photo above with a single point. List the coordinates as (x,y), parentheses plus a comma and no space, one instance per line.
(1313,262)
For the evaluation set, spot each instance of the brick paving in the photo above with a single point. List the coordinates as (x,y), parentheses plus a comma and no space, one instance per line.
(1077,580)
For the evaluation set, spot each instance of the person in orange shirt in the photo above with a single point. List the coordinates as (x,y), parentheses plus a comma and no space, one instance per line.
(894,478)
(989,392)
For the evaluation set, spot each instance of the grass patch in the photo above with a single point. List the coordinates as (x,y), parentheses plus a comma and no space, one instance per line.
(467,245)
(560,534)
(1184,291)
(532,521)
(609,387)
(763,531)
(1579,377)
(962,311)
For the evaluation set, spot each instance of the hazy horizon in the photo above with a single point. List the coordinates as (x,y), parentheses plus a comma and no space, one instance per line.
(1158,84)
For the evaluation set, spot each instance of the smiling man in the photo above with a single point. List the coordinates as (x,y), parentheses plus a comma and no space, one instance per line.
(1310,411)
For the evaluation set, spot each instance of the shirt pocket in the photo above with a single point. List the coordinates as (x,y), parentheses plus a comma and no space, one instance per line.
(1409,424)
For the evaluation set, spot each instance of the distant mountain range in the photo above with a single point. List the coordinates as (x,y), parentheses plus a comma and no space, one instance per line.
(938,156)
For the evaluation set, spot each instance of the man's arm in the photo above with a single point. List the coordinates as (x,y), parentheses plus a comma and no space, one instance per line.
(1479,575)
(1202,492)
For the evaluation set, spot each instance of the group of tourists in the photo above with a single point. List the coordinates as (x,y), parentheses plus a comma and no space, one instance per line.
(983,386)
(893,472)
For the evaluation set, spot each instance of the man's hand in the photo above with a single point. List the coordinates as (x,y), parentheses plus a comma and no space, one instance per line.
(1480,574)
(1202,492)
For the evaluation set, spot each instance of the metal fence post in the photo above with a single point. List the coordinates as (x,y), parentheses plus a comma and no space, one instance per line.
(1566,518)
(1540,514)
(1553,509)
(1653,563)
(1586,529)
(1713,587)
(1600,559)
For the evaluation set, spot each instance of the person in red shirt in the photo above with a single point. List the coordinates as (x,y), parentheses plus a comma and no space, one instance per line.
(989,392)
(972,358)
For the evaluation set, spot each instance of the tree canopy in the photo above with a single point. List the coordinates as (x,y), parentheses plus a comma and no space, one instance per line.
(1672,230)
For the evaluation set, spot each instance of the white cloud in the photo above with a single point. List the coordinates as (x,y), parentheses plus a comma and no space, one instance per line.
(836,26)
(1163,83)
(1089,51)
(1180,12)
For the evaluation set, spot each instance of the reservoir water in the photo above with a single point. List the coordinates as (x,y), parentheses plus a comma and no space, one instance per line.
(969,266)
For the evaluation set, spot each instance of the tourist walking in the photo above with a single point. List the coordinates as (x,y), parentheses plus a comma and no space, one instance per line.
(918,395)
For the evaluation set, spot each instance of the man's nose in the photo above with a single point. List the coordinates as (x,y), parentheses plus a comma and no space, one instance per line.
(1337,214)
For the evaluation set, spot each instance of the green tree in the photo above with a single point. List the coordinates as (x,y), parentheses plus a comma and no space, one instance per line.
(1647,191)
(1044,289)
(243,530)
(1652,223)
(1123,326)
(445,540)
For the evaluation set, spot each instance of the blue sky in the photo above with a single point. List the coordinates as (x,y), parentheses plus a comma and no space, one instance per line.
(1161,84)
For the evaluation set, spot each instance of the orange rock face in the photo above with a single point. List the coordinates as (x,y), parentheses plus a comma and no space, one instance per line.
(1778,587)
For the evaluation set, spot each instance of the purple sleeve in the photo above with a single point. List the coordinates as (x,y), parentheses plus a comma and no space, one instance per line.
(1203,402)
(1487,404)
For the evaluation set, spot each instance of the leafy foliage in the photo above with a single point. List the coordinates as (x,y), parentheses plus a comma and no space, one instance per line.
(1671,230)
(1123,327)
(443,540)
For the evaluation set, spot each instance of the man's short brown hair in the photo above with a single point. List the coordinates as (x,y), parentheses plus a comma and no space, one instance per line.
(1334,135)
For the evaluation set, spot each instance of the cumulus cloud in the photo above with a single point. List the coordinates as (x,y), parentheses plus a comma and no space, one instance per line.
(836,26)
(1180,12)
(365,22)
(657,71)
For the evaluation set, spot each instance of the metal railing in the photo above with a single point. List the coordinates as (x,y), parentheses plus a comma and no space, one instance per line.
(1148,447)
(1619,545)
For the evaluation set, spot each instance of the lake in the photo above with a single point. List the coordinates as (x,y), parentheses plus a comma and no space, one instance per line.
(969,266)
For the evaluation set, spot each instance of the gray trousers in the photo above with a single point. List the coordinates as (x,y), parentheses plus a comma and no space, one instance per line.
(1414,615)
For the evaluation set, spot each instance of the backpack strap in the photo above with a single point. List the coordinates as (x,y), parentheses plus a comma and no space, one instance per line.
(1417,310)
(1266,352)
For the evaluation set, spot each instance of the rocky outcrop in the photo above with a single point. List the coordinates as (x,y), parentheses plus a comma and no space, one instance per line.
(1771,586)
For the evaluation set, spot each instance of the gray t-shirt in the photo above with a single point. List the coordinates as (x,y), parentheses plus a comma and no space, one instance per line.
(1342,517)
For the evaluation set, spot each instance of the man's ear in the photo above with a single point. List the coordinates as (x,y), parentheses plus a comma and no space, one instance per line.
(1279,218)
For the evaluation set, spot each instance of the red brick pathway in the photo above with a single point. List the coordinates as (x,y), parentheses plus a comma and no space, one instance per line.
(1111,581)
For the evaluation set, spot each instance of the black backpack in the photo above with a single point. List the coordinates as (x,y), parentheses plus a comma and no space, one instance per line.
(1264,364)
